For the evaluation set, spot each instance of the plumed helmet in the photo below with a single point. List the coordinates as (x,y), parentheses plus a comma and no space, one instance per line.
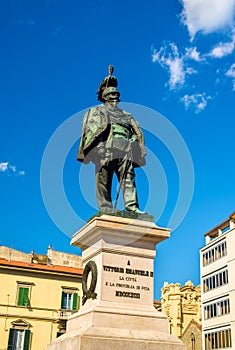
(108,88)
(110,94)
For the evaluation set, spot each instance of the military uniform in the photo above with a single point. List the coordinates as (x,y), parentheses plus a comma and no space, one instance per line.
(114,142)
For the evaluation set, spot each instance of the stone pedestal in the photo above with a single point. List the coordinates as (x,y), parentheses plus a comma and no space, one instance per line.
(119,314)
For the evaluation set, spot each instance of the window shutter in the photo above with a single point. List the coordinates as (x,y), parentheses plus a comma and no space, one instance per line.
(10,339)
(23,299)
(62,300)
(27,339)
(21,296)
(26,296)
(75,301)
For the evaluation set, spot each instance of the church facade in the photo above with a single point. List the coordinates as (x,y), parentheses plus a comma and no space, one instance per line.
(182,305)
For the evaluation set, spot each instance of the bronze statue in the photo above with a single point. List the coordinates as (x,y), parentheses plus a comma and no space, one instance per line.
(113,141)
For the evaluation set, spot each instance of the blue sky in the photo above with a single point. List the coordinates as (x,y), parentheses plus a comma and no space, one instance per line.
(174,61)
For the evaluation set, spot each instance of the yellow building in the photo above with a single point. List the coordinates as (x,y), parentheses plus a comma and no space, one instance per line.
(182,305)
(38,294)
(192,336)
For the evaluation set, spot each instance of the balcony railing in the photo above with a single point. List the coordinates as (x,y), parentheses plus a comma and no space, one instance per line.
(64,314)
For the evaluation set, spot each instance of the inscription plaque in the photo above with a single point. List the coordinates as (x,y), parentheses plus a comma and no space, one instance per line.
(127,279)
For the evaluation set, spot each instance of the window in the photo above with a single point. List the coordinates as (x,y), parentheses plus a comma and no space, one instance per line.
(215,253)
(219,308)
(224,307)
(24,293)
(193,341)
(218,340)
(215,281)
(69,300)
(19,339)
(23,296)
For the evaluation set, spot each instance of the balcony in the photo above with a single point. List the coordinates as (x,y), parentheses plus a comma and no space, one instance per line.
(64,314)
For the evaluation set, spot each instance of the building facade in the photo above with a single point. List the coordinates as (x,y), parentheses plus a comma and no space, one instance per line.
(38,294)
(217,265)
(192,336)
(182,305)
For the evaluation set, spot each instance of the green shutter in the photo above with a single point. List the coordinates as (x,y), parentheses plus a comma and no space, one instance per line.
(26,297)
(23,296)
(62,300)
(10,339)
(27,339)
(20,296)
(75,301)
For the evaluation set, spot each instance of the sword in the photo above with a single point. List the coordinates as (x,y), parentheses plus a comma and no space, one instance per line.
(127,160)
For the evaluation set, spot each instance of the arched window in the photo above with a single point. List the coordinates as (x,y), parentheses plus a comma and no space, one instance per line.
(193,341)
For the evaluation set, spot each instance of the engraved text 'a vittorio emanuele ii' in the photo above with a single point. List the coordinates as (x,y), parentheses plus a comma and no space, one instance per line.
(130,282)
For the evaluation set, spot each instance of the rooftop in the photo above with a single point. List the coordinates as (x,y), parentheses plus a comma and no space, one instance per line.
(53,257)
(40,267)
(223,227)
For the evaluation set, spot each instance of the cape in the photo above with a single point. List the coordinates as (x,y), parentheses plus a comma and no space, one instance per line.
(95,128)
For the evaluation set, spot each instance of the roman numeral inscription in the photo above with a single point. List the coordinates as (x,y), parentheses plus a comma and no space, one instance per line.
(127,282)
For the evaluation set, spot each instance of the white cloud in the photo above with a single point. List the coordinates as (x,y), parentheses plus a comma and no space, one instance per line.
(180,65)
(6,167)
(231,73)
(193,54)
(196,101)
(177,74)
(12,168)
(223,49)
(170,58)
(3,166)
(207,15)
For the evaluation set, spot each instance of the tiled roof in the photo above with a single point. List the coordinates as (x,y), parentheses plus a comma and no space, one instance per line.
(199,326)
(41,267)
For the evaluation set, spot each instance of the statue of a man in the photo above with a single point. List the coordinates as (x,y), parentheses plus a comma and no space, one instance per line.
(113,141)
